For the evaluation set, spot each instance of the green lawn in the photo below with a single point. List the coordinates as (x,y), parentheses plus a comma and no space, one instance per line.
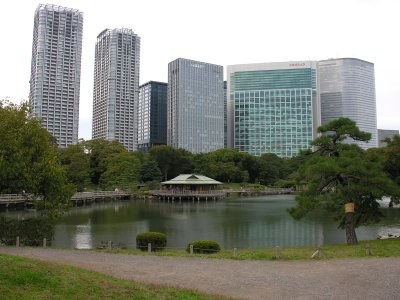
(378,248)
(22,278)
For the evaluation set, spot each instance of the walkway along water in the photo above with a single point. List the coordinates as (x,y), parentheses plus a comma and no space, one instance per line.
(328,279)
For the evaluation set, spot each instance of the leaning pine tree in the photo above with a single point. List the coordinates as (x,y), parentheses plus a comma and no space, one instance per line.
(342,178)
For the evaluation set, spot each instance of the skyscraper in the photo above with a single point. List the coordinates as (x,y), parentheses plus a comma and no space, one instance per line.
(152,116)
(272,107)
(347,89)
(56,70)
(116,86)
(195,106)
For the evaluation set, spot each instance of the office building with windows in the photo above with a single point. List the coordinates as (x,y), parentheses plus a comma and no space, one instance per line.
(116,87)
(56,71)
(347,89)
(195,106)
(272,107)
(152,115)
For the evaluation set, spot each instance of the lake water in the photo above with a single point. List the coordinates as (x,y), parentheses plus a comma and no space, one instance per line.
(257,222)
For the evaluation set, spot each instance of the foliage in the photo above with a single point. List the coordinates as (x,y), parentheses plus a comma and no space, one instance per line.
(100,152)
(149,171)
(271,168)
(122,171)
(29,160)
(76,163)
(157,240)
(204,246)
(30,231)
(23,278)
(337,173)
(391,155)
(171,161)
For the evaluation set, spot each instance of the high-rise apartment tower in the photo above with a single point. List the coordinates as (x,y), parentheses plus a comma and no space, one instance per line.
(152,116)
(56,71)
(272,107)
(347,89)
(195,106)
(116,86)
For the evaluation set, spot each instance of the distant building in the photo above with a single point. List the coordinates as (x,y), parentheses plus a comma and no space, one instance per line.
(272,107)
(385,133)
(152,115)
(195,106)
(116,87)
(347,89)
(56,71)
(225,115)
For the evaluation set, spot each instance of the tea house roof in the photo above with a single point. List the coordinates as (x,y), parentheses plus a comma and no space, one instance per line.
(191,179)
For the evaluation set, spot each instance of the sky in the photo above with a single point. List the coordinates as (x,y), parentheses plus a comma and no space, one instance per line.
(219,32)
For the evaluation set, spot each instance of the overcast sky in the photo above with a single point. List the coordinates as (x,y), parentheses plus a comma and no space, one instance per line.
(220,32)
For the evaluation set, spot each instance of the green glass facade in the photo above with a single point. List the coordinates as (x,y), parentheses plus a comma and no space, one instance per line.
(273,110)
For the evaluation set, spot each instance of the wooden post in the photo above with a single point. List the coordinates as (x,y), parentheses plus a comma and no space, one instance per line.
(234,252)
(44,242)
(149,247)
(277,252)
(109,245)
(316,253)
(17,242)
(191,249)
(368,250)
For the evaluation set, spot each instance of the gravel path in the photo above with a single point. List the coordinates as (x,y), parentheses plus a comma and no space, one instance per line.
(368,278)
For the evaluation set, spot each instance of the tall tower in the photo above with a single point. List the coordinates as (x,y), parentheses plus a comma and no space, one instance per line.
(116,86)
(152,119)
(195,106)
(273,107)
(347,88)
(56,71)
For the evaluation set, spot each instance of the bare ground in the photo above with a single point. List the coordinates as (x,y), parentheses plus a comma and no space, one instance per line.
(368,278)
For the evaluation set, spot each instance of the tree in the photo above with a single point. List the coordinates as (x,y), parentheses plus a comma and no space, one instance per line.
(271,167)
(339,175)
(29,159)
(149,171)
(76,163)
(392,158)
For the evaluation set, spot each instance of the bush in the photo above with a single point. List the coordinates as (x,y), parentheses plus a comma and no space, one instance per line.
(30,231)
(157,240)
(207,247)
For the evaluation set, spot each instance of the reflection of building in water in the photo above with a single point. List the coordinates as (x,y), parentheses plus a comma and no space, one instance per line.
(284,232)
(83,237)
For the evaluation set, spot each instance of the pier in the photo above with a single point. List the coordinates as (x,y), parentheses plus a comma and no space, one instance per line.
(80,198)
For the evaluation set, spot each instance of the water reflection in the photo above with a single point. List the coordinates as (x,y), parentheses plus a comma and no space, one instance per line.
(242,223)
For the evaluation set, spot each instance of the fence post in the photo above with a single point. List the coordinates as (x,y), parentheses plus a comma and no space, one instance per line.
(109,245)
(316,253)
(368,250)
(191,249)
(234,252)
(44,242)
(277,252)
(17,242)
(149,247)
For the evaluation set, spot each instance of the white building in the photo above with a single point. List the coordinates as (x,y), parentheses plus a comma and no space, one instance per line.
(116,87)
(56,70)
(347,89)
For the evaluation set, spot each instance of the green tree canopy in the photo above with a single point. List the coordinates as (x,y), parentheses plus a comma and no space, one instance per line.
(337,173)
(29,160)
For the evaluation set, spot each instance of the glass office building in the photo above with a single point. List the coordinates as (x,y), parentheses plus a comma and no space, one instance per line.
(272,107)
(56,71)
(116,87)
(347,89)
(195,106)
(152,117)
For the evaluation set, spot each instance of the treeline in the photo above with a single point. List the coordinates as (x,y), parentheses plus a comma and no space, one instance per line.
(108,165)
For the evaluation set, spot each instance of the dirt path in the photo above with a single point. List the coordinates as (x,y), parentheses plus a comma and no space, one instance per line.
(327,279)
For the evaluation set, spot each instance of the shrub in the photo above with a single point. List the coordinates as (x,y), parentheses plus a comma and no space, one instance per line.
(207,247)
(157,240)
(31,231)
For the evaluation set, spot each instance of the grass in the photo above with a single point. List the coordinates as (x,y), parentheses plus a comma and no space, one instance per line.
(378,248)
(23,278)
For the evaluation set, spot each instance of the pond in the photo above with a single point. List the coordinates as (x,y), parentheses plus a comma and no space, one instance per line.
(256,222)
